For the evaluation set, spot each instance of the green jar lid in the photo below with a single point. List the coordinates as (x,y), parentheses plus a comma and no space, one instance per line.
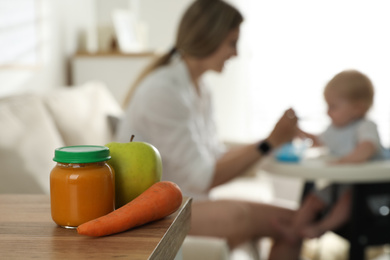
(81,154)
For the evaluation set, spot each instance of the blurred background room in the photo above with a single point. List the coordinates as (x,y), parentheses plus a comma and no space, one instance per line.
(288,50)
(287,53)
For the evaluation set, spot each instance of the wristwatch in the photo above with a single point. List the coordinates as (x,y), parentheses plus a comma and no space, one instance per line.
(264,147)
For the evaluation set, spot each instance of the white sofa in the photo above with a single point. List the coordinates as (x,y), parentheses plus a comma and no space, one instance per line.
(33,125)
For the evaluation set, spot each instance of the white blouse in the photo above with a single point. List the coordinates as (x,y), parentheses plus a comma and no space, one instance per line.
(167,112)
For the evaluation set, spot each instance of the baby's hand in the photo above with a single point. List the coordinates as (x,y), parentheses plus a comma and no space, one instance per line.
(362,153)
(335,162)
(305,135)
(346,160)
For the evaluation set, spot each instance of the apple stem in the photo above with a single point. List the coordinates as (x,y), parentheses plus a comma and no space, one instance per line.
(131,138)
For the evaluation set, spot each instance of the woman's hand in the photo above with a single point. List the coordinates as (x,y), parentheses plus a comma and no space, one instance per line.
(285,129)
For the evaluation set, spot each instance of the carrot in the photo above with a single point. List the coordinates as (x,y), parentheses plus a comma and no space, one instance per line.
(158,201)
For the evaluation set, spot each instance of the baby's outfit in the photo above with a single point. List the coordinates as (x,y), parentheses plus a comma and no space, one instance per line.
(341,141)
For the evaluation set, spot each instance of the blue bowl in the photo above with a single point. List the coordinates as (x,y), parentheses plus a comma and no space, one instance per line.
(289,153)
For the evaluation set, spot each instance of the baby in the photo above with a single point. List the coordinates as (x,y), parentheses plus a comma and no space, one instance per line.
(351,138)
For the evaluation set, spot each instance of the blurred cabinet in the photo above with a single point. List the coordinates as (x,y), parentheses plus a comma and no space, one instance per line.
(117,70)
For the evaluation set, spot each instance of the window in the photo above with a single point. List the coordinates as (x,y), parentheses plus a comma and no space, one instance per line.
(19,34)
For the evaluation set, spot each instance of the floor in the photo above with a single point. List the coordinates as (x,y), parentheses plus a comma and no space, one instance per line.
(329,247)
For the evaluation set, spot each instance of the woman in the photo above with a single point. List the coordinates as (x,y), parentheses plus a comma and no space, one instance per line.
(170,107)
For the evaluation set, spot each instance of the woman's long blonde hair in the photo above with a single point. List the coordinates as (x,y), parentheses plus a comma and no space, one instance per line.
(203,27)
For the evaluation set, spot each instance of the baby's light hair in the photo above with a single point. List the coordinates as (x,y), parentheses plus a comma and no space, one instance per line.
(353,86)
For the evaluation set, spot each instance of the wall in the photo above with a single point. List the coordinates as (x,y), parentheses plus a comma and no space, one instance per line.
(162,18)
(60,27)
(63,23)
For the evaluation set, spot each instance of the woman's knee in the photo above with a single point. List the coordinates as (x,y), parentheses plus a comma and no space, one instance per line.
(230,219)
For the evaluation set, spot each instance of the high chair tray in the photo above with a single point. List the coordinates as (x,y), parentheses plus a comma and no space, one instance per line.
(316,165)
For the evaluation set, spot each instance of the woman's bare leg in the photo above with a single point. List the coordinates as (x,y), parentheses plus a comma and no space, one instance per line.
(282,249)
(241,221)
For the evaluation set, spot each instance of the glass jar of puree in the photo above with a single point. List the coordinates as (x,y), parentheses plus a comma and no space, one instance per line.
(81,185)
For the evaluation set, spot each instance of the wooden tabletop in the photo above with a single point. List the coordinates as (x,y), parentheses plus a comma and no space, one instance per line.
(27,231)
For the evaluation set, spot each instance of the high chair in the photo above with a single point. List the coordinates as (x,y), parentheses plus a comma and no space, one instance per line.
(369,224)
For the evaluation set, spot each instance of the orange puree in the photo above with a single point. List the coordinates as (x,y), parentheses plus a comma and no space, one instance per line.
(80,192)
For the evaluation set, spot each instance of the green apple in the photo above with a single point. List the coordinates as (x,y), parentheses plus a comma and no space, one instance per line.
(137,166)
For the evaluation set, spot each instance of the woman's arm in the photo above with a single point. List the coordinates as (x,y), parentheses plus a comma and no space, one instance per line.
(236,161)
